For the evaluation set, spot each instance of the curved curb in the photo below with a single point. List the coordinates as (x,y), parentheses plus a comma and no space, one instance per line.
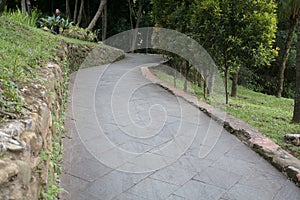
(274,154)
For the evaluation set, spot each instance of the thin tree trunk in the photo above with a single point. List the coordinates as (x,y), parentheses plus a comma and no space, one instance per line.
(195,77)
(139,14)
(211,81)
(235,77)
(84,16)
(97,15)
(104,22)
(2,5)
(52,6)
(226,85)
(130,14)
(86,13)
(68,10)
(204,88)
(285,57)
(187,69)
(80,13)
(135,32)
(28,4)
(75,11)
(296,114)
(23,6)
(199,79)
(174,77)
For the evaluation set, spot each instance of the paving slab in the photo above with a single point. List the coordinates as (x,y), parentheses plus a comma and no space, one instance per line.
(131,139)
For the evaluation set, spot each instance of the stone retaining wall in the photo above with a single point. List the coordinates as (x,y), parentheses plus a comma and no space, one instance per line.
(278,157)
(23,171)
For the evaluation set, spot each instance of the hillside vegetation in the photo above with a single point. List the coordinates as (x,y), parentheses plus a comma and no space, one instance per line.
(24,49)
(25,52)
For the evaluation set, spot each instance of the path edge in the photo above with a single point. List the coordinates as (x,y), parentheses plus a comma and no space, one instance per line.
(273,153)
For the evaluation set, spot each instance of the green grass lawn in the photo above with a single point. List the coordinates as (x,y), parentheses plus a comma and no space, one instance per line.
(270,115)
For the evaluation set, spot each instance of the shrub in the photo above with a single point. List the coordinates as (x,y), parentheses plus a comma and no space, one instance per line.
(51,21)
(24,19)
(79,33)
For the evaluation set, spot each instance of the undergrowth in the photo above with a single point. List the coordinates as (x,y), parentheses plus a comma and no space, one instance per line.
(55,154)
(23,51)
(25,20)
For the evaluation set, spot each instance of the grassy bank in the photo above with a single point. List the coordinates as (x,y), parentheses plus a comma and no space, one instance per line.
(268,114)
(24,50)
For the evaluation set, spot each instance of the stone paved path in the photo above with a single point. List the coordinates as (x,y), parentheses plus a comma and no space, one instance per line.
(130,139)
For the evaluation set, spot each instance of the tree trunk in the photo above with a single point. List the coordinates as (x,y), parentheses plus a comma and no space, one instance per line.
(28,5)
(296,115)
(226,85)
(135,32)
(199,79)
(23,6)
(80,13)
(84,16)
(174,77)
(52,6)
(130,14)
(75,11)
(104,22)
(211,81)
(285,56)
(139,14)
(68,10)
(187,69)
(235,78)
(97,15)
(204,88)
(2,5)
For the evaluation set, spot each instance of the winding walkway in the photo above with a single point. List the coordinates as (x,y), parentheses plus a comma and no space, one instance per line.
(131,139)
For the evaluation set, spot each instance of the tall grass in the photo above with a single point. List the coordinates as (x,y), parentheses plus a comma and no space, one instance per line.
(23,19)
(22,50)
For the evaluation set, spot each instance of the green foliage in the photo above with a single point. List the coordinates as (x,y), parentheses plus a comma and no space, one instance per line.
(235,33)
(23,19)
(22,52)
(55,155)
(288,9)
(51,21)
(172,14)
(179,81)
(79,33)
(270,115)
(66,24)
(52,191)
